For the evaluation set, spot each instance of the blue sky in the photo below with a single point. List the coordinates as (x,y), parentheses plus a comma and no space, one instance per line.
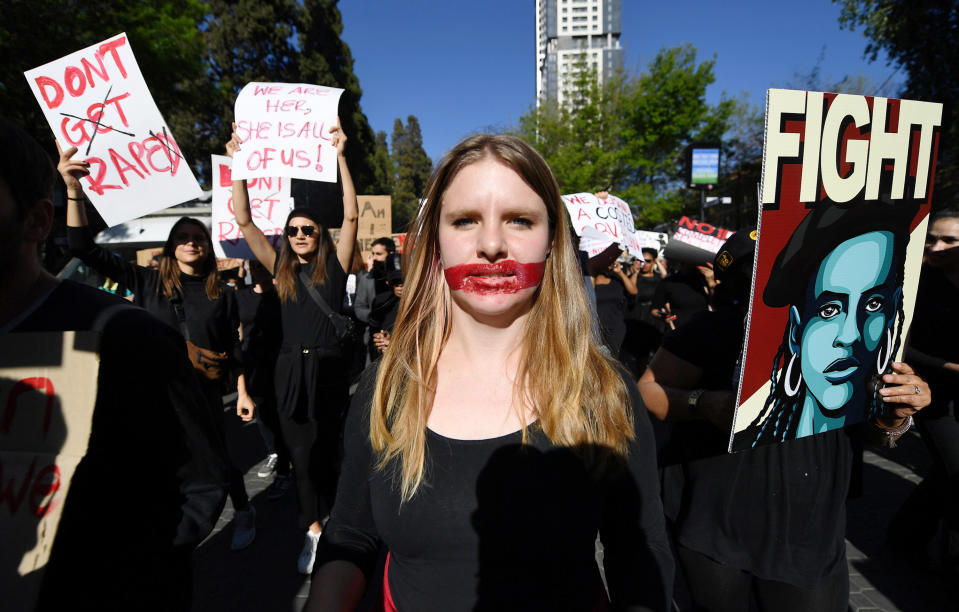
(463,66)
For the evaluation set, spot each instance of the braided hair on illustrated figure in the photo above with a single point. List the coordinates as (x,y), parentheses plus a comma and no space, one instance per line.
(779,418)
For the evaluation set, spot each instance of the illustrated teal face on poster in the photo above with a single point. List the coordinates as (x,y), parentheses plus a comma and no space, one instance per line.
(850,308)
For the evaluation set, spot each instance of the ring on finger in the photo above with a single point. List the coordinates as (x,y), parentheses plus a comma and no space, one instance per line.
(918,390)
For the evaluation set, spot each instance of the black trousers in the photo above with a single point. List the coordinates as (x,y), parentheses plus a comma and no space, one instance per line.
(316,386)
(935,500)
(715,587)
(213,390)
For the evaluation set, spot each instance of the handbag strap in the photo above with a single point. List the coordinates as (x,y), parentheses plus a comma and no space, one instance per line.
(315,294)
(177,301)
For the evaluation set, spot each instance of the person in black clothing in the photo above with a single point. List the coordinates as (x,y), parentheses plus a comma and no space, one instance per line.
(153,480)
(386,305)
(371,284)
(681,295)
(644,332)
(259,313)
(614,287)
(311,375)
(496,439)
(186,294)
(933,347)
(767,523)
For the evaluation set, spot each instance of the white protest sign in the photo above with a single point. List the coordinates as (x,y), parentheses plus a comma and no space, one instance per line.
(652,240)
(285,129)
(270,203)
(610,217)
(96,100)
(47,397)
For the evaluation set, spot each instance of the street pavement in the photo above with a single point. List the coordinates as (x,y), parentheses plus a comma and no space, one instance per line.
(263,577)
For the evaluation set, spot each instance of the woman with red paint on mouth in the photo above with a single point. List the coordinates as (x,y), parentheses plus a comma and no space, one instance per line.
(312,373)
(496,439)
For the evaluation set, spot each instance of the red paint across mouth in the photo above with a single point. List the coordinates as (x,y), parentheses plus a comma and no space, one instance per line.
(502,277)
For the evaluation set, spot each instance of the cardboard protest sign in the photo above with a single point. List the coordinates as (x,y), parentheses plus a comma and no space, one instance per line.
(695,242)
(47,409)
(145,256)
(285,129)
(374,222)
(270,203)
(601,223)
(846,191)
(96,100)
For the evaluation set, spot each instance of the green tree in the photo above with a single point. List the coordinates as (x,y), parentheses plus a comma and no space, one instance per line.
(195,56)
(411,170)
(325,59)
(169,48)
(382,166)
(921,38)
(628,134)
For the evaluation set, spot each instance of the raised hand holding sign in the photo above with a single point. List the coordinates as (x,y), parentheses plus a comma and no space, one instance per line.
(97,101)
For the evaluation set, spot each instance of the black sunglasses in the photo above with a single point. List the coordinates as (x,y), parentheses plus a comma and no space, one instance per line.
(292,230)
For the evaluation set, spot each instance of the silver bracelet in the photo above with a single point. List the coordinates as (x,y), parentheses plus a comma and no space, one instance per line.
(893,433)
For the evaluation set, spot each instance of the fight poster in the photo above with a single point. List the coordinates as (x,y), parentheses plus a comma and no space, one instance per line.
(48,388)
(96,100)
(846,191)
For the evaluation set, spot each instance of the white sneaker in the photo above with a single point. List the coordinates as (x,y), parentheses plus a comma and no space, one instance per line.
(244,528)
(268,467)
(308,554)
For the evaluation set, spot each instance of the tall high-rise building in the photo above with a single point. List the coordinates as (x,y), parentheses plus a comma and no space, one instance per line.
(573,33)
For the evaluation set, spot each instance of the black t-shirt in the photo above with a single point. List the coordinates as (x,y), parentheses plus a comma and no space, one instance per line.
(498,525)
(777,511)
(934,339)
(611,310)
(212,324)
(152,482)
(303,322)
(685,295)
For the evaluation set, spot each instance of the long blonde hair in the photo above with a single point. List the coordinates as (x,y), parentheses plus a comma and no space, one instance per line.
(573,385)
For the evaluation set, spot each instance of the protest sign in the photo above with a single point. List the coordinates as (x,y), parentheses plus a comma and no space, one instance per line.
(270,203)
(96,100)
(374,222)
(695,242)
(285,129)
(145,256)
(652,240)
(47,398)
(846,191)
(601,223)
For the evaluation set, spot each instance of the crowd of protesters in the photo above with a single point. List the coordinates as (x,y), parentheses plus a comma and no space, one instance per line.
(516,403)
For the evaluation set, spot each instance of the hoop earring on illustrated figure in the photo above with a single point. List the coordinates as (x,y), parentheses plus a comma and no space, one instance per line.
(792,391)
(881,363)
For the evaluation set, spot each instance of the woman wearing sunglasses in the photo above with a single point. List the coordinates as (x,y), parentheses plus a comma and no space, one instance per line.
(312,382)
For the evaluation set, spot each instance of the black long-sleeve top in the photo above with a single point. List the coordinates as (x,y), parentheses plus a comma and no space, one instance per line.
(212,324)
(499,525)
